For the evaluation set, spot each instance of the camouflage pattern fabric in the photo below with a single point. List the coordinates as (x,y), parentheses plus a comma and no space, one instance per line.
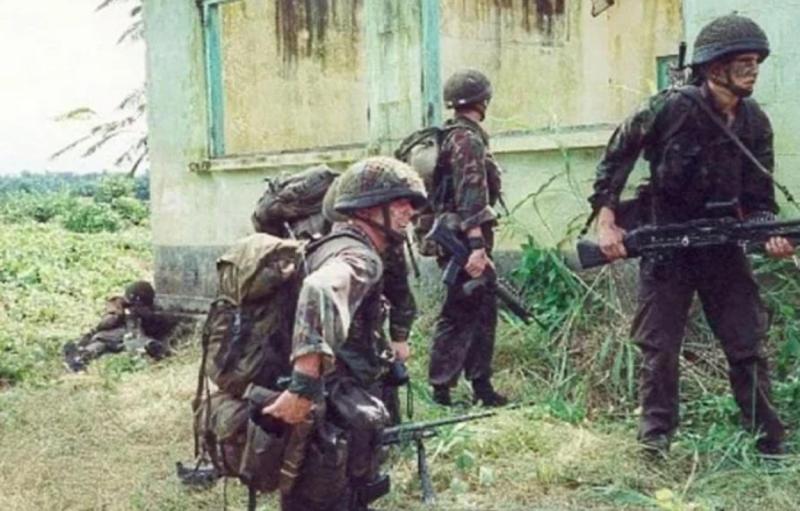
(468,174)
(396,289)
(692,162)
(122,327)
(339,316)
(464,334)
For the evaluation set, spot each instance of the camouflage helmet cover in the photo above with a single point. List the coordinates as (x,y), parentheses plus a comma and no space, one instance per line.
(465,87)
(328,212)
(727,35)
(376,181)
(140,293)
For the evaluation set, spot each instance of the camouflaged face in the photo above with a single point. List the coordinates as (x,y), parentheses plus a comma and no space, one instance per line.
(376,181)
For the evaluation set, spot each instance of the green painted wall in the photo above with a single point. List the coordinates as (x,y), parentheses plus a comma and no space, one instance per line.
(779,79)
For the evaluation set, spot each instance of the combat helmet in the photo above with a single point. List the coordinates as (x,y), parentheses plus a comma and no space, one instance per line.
(376,181)
(466,86)
(727,35)
(328,212)
(140,293)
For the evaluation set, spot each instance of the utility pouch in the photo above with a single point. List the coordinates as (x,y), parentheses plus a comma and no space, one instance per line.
(323,476)
(265,443)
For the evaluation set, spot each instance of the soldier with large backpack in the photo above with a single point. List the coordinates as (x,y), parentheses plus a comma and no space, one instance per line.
(301,206)
(334,340)
(465,183)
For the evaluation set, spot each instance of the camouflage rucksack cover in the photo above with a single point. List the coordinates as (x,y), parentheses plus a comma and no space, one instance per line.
(246,343)
(247,334)
(294,202)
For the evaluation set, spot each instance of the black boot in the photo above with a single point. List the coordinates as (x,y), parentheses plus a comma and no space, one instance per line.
(441,395)
(484,392)
(655,447)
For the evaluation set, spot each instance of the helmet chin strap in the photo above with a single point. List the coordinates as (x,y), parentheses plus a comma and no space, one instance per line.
(392,237)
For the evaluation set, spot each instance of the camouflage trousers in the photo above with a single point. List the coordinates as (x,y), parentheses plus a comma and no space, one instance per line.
(464,335)
(345,455)
(724,282)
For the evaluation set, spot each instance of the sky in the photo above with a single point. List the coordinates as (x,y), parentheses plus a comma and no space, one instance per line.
(57,56)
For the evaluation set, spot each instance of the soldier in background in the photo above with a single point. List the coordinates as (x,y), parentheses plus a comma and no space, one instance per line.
(336,339)
(467,184)
(128,324)
(695,167)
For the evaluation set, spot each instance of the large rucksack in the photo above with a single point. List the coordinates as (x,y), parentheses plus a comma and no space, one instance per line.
(291,206)
(246,344)
(421,150)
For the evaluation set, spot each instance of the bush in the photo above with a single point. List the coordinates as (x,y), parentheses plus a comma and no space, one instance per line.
(111,187)
(38,207)
(131,210)
(92,217)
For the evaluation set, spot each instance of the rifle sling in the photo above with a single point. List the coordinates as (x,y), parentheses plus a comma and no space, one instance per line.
(700,102)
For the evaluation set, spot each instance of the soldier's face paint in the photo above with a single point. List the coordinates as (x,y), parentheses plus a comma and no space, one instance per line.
(400,213)
(740,74)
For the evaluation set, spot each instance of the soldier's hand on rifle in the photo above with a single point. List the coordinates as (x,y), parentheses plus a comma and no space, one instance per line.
(289,407)
(609,235)
(779,247)
(477,263)
(401,350)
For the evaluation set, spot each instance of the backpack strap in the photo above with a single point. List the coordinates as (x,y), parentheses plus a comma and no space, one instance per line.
(693,93)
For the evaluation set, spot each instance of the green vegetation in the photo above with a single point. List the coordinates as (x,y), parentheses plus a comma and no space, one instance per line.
(108,439)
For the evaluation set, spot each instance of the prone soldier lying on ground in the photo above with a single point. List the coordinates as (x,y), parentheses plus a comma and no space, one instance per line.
(129,323)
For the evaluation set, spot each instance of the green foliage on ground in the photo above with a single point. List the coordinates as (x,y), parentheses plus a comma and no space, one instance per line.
(108,439)
(85,204)
(53,281)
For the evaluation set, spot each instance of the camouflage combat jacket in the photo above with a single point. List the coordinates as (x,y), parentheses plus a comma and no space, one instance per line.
(339,310)
(468,178)
(692,161)
(396,289)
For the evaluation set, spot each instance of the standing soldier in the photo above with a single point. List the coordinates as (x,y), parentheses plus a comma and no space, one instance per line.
(336,336)
(467,184)
(694,167)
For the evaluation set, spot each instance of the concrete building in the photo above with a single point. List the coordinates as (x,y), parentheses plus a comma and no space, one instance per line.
(239,90)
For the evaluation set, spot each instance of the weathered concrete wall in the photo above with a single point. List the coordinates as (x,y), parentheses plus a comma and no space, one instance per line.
(562,80)
(294,75)
(553,64)
(779,79)
(293,84)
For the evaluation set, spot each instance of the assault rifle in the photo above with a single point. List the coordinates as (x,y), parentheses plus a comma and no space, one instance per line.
(417,432)
(658,239)
(452,241)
